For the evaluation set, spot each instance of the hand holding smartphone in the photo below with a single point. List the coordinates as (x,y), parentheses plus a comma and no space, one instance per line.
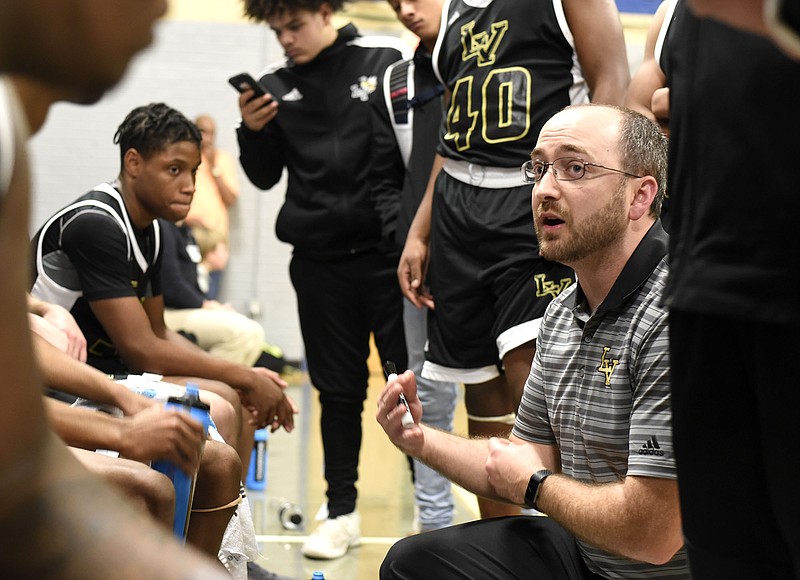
(244,81)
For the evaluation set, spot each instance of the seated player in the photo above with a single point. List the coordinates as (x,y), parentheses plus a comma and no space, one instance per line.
(100,258)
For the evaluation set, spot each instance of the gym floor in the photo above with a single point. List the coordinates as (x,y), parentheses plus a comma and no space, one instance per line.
(294,475)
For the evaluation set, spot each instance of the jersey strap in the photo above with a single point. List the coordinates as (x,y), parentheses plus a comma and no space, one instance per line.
(398,86)
(137,252)
(401,100)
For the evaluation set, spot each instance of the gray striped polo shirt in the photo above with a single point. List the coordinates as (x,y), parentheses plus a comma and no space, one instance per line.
(599,388)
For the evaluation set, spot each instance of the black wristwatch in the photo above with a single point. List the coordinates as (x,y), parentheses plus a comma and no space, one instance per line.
(532,493)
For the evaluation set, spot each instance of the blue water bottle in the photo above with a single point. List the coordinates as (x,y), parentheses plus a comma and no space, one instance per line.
(184,482)
(257,471)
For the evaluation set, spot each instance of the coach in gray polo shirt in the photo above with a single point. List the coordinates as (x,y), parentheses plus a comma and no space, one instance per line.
(592,443)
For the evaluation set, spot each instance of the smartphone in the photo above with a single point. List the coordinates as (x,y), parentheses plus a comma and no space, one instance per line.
(244,81)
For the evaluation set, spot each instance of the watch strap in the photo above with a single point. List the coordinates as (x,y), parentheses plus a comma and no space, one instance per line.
(534,485)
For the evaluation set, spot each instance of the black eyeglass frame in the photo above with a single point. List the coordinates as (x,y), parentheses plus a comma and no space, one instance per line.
(527,168)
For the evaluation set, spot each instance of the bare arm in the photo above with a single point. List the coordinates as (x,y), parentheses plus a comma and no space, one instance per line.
(600,45)
(638,518)
(59,526)
(744,14)
(67,374)
(141,337)
(61,319)
(649,78)
(155,433)
(414,260)
(460,459)
(225,178)
(45,330)
(223,172)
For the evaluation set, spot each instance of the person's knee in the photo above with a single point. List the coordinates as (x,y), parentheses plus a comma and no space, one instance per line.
(160,494)
(153,489)
(218,480)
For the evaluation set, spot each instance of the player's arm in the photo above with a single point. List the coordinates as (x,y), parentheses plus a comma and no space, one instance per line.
(64,373)
(144,347)
(649,77)
(600,44)
(413,266)
(156,433)
(154,308)
(63,321)
(128,324)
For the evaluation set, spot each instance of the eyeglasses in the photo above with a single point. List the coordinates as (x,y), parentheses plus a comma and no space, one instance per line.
(564,169)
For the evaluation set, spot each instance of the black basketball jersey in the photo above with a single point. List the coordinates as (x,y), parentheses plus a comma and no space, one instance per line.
(90,250)
(733,122)
(674,13)
(510,66)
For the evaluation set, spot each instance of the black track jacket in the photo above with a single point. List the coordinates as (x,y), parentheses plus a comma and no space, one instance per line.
(322,135)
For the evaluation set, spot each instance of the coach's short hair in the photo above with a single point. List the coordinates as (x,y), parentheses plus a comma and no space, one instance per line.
(643,149)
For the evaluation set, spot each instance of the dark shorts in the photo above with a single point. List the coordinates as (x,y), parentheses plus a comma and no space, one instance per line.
(488,282)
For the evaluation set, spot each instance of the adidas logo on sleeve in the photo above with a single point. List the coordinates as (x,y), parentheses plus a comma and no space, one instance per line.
(651,447)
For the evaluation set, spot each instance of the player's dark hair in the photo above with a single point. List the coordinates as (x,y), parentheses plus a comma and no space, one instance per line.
(151,128)
(261,10)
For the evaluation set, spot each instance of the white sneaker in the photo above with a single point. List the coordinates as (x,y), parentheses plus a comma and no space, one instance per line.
(334,537)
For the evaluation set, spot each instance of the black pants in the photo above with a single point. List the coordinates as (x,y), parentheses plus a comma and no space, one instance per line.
(509,548)
(736,409)
(340,303)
